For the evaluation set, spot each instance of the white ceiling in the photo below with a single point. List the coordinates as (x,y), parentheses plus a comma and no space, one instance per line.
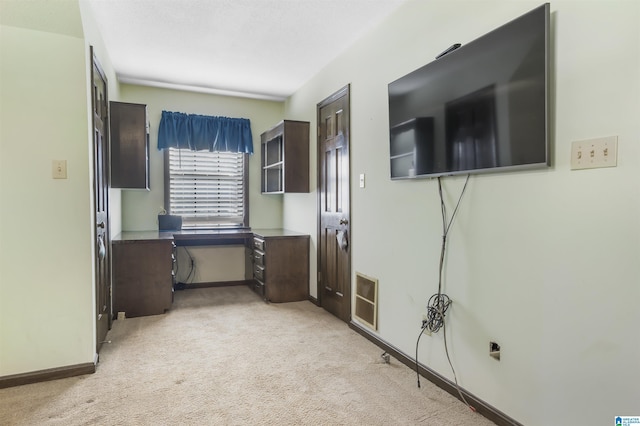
(256,48)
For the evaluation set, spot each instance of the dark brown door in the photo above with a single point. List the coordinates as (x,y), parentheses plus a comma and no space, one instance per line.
(334,256)
(102,259)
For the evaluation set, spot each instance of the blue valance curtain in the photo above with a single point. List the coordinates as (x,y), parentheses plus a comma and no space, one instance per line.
(203,132)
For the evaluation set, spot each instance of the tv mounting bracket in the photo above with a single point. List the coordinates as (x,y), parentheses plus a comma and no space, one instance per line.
(449,50)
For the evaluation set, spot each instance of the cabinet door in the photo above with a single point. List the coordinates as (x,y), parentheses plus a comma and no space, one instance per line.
(286,269)
(285,158)
(142,277)
(129,146)
(296,156)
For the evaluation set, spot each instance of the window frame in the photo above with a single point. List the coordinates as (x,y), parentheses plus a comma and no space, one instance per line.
(210,225)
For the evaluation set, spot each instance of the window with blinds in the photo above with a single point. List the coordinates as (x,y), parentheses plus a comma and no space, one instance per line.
(208,189)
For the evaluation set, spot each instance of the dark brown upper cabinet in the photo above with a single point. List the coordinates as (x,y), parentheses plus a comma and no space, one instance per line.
(285,158)
(129,146)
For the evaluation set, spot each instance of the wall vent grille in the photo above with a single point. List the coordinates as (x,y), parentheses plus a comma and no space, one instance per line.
(367,300)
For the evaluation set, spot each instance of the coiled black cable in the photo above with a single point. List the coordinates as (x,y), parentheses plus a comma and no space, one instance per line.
(436,309)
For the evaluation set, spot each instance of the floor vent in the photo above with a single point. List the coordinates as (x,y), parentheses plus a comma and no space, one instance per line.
(367,300)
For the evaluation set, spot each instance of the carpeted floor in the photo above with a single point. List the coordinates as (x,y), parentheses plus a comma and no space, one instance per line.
(222,356)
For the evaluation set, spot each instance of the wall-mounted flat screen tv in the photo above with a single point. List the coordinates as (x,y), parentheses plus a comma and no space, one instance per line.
(482,107)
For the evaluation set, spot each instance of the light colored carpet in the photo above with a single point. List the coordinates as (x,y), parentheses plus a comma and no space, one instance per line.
(222,356)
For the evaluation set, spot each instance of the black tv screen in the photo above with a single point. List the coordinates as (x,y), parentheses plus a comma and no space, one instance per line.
(482,107)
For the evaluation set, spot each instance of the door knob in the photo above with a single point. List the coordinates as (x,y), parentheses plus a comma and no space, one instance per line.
(101,225)
(102,249)
(343,221)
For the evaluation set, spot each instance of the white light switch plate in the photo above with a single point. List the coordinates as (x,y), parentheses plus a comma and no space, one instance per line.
(361,180)
(594,153)
(59,169)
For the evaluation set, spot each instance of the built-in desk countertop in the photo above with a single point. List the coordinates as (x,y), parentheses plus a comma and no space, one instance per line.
(203,237)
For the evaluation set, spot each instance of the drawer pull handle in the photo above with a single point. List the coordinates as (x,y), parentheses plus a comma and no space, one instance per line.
(328,288)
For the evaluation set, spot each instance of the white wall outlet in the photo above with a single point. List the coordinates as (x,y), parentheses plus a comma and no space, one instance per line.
(59,169)
(594,153)
(361,180)
(494,350)
(426,330)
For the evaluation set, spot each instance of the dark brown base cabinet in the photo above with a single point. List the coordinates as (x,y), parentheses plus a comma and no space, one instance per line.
(142,277)
(276,266)
(281,267)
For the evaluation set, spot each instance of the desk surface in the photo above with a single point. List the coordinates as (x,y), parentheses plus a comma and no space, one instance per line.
(196,236)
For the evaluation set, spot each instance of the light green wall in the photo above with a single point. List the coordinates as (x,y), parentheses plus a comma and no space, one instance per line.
(211,264)
(547,263)
(46,278)
(140,208)
(46,225)
(60,17)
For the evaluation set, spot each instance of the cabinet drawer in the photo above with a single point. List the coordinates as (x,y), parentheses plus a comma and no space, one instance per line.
(258,243)
(258,272)
(258,257)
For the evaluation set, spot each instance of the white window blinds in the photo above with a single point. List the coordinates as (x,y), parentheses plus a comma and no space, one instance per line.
(207,188)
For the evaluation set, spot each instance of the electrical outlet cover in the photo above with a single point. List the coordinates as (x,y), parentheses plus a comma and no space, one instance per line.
(59,169)
(594,153)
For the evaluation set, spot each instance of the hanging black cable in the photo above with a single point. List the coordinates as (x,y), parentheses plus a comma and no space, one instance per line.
(417,345)
(455,377)
(192,271)
(439,303)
